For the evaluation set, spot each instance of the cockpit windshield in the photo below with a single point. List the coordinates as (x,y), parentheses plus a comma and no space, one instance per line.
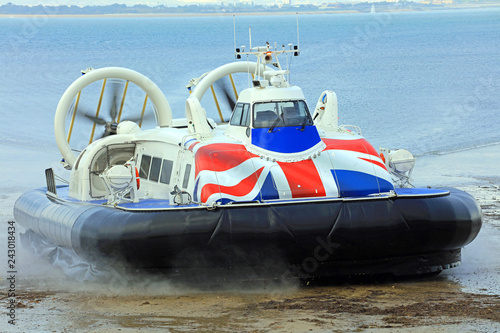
(281,114)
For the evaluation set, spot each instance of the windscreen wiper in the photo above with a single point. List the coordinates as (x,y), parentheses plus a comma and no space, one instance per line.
(275,123)
(306,120)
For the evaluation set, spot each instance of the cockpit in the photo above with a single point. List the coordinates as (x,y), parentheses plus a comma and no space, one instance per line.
(272,114)
(274,127)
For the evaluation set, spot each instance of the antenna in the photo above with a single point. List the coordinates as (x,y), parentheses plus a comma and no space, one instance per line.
(250,36)
(298,43)
(234,30)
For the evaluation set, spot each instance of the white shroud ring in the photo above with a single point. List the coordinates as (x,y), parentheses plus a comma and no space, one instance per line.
(161,106)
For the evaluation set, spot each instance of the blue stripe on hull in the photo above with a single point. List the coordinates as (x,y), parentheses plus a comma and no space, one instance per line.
(359,184)
(268,190)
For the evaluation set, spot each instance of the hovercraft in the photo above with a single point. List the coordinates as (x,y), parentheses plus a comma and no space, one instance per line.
(275,186)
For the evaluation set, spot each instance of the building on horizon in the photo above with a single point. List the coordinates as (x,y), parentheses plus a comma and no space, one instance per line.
(437,2)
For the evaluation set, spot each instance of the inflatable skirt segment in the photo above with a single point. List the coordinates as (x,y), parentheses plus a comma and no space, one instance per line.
(401,235)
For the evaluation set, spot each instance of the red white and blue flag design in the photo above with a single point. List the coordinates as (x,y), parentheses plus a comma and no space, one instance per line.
(227,172)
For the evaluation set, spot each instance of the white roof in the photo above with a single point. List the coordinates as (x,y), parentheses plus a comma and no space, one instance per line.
(270,93)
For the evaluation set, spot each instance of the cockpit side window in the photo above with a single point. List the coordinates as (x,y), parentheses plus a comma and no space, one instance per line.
(245,117)
(281,114)
(241,115)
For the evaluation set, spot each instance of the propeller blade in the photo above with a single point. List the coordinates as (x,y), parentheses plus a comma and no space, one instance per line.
(116,96)
(229,97)
(95,119)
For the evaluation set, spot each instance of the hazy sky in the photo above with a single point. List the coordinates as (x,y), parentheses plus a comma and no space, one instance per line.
(88,2)
(133,2)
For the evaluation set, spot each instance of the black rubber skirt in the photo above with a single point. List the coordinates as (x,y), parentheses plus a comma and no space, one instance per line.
(399,235)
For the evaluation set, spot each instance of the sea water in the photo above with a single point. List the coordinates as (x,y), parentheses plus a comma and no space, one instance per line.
(425,81)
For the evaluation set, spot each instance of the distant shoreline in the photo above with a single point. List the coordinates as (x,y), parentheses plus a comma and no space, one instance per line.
(266,13)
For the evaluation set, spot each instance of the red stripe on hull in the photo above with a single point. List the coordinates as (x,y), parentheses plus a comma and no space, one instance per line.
(358,145)
(303,178)
(239,190)
(374,162)
(220,157)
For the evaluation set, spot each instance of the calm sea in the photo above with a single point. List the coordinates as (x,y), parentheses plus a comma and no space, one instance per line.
(425,81)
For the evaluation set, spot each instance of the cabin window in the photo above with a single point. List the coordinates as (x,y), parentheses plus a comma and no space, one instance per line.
(154,174)
(245,117)
(281,114)
(241,115)
(187,173)
(166,171)
(145,164)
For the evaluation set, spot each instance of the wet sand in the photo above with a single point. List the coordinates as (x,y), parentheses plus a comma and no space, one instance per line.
(435,304)
(463,299)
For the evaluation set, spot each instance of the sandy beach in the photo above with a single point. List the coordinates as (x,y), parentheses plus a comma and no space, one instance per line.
(465,299)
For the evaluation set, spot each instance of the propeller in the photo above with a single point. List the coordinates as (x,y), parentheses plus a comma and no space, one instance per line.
(114,90)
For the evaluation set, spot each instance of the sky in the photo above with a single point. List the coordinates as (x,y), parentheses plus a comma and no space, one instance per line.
(134,2)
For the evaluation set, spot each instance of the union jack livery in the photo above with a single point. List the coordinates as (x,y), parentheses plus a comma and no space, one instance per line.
(267,189)
(230,173)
